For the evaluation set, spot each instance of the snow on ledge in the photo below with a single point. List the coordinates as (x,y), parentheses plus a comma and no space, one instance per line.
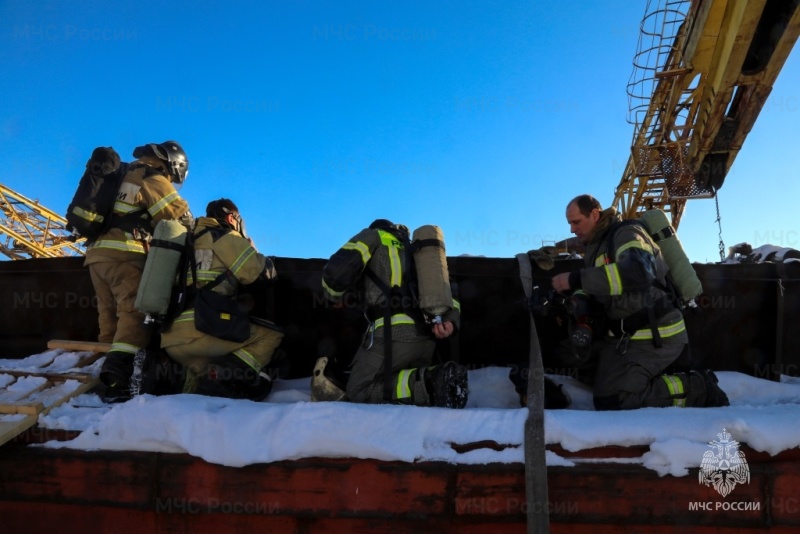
(287,427)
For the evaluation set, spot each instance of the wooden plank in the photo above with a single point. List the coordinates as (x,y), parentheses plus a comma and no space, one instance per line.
(31,408)
(42,404)
(90,359)
(53,377)
(8,396)
(66,344)
(11,429)
(83,388)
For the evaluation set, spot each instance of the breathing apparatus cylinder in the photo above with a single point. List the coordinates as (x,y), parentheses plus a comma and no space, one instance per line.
(160,269)
(433,278)
(683,274)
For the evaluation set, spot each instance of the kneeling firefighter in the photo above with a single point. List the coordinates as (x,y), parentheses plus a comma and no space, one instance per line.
(394,362)
(627,274)
(220,359)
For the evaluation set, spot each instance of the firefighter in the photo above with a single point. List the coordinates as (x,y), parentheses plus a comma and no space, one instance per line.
(625,275)
(116,259)
(377,264)
(216,366)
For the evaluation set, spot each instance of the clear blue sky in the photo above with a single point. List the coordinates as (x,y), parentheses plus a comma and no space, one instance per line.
(316,117)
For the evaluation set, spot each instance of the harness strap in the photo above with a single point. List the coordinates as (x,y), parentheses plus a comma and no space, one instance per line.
(387,333)
(129,221)
(649,315)
(420,243)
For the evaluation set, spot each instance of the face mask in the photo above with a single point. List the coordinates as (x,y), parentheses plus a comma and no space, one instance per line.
(240,224)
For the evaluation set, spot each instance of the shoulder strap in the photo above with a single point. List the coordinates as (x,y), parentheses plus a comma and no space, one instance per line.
(129,221)
(383,286)
(387,332)
(387,329)
(216,233)
(653,311)
(420,243)
(611,250)
(181,292)
(668,286)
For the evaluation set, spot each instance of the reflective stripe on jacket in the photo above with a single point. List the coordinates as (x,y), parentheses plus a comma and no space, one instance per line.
(631,282)
(144,189)
(219,250)
(384,254)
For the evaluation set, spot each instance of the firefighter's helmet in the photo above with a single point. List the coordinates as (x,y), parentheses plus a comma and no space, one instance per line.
(172,154)
(176,160)
(324,387)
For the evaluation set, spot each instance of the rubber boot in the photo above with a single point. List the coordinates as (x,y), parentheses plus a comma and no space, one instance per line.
(715,397)
(695,389)
(230,377)
(447,385)
(555,396)
(115,376)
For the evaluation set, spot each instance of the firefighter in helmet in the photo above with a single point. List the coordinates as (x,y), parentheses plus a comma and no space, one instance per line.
(116,259)
(394,364)
(213,366)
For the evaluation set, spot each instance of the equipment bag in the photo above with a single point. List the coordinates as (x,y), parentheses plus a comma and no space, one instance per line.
(220,316)
(214,314)
(89,213)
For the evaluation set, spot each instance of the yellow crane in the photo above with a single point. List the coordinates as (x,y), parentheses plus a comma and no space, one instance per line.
(29,230)
(702,72)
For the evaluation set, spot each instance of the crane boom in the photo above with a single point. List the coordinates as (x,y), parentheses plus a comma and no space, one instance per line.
(702,72)
(29,230)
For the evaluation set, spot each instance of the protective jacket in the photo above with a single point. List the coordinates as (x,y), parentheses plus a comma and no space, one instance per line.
(147,190)
(220,250)
(381,254)
(633,285)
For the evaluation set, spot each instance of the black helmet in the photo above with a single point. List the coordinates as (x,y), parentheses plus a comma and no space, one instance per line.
(171,153)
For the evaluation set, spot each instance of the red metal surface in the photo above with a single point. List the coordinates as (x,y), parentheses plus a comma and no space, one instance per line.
(44,490)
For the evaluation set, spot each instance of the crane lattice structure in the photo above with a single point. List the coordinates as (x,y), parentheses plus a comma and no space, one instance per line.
(29,230)
(702,72)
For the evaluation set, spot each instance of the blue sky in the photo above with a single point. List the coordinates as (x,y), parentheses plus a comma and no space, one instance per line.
(317,117)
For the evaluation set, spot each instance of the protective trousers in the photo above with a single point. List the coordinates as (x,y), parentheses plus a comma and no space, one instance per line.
(196,350)
(633,379)
(116,284)
(366,378)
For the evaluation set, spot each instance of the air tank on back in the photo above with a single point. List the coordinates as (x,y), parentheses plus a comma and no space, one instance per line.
(683,274)
(433,278)
(160,269)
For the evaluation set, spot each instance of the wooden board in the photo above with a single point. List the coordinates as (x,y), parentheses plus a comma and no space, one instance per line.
(14,427)
(29,393)
(66,344)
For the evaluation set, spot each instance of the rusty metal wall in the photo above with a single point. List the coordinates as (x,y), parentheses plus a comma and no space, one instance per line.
(44,299)
(747,321)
